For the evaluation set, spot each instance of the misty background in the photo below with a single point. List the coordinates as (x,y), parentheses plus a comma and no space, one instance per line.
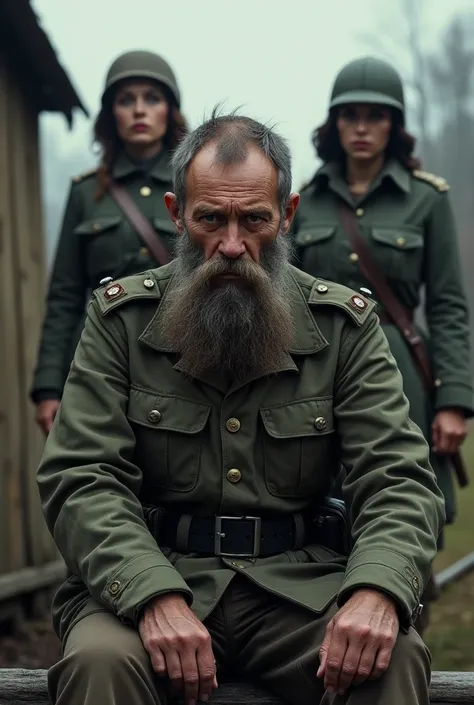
(277,60)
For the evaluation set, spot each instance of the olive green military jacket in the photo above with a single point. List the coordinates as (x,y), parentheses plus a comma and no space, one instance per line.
(134,428)
(407,220)
(96,241)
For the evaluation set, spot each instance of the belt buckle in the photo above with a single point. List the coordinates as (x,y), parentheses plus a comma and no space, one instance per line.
(219,535)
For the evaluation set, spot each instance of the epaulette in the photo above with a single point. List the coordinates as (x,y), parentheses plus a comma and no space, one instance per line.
(327,293)
(85,175)
(114,293)
(437,181)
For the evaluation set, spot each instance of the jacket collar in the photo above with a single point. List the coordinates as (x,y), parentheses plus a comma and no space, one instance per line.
(160,169)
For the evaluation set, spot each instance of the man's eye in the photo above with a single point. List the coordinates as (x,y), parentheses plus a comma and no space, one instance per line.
(254,218)
(209,218)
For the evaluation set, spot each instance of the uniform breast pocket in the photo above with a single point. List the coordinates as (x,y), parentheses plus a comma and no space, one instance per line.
(298,446)
(399,251)
(104,244)
(315,244)
(170,433)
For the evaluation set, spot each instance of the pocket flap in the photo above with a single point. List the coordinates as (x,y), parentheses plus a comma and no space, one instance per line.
(401,238)
(307,417)
(165,225)
(310,234)
(167,413)
(98,225)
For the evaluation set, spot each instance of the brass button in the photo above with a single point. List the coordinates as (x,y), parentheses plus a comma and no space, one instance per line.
(96,227)
(307,238)
(354,257)
(238,565)
(322,288)
(400,241)
(416,584)
(149,283)
(154,416)
(360,212)
(437,383)
(320,423)
(234,475)
(144,252)
(232,425)
(145,191)
(114,587)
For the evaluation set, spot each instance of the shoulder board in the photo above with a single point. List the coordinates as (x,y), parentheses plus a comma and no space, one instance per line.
(85,175)
(326,293)
(437,181)
(115,293)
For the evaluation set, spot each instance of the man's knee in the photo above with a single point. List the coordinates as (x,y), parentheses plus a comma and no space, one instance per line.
(410,650)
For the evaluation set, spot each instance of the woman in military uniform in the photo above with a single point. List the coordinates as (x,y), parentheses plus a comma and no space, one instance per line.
(138,124)
(404,216)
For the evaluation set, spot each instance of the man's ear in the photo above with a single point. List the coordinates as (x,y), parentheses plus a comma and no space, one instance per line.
(291,206)
(173,209)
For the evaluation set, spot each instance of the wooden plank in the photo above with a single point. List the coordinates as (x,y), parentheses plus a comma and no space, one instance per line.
(12,548)
(23,686)
(30,580)
(27,230)
(455,571)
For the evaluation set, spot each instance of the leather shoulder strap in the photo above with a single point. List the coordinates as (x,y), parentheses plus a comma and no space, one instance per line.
(387,298)
(141,224)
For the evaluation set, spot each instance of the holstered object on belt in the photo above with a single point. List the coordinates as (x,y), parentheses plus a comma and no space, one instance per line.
(397,314)
(330,526)
(141,224)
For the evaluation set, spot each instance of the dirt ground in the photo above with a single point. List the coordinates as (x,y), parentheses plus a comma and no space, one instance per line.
(36,647)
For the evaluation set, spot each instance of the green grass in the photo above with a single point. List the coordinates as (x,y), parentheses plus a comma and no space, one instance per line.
(450,636)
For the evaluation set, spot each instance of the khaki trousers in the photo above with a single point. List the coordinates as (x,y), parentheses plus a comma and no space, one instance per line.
(256,636)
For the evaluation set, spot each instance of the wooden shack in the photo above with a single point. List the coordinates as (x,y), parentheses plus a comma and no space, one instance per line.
(31,81)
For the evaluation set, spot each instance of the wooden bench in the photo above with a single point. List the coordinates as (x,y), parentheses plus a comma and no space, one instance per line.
(18,687)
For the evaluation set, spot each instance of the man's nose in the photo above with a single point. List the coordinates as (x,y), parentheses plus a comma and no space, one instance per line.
(232,244)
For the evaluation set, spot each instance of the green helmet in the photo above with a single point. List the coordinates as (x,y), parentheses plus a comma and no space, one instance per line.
(368,80)
(141,64)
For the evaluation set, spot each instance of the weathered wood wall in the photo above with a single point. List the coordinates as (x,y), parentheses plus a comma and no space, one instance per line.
(24,540)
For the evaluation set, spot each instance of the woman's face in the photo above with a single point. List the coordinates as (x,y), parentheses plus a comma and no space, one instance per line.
(141,113)
(364,130)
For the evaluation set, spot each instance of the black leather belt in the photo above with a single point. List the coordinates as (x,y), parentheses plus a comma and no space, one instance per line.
(230,536)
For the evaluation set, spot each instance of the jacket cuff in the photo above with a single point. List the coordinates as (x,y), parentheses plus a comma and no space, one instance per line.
(138,581)
(388,572)
(452,395)
(48,380)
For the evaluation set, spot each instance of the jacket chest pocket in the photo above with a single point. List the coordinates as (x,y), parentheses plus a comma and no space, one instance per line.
(399,252)
(170,433)
(316,245)
(298,447)
(104,243)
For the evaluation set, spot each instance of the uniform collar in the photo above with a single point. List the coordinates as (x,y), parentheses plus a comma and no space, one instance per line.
(330,175)
(161,169)
(307,337)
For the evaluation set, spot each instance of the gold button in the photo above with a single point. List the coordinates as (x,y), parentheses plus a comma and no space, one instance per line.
(149,283)
(307,238)
(154,416)
(320,423)
(322,288)
(144,251)
(400,241)
(360,212)
(232,425)
(114,587)
(234,475)
(437,383)
(145,191)
(96,227)
(416,583)
(354,257)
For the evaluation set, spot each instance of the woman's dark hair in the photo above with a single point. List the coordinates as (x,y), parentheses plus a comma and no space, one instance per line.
(106,135)
(401,144)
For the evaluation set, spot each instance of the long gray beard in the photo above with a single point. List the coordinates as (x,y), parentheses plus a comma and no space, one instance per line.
(235,328)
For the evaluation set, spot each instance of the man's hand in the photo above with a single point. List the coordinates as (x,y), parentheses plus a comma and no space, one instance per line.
(449,430)
(45,413)
(359,641)
(179,646)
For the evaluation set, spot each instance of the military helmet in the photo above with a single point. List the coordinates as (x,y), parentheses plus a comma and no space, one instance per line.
(141,64)
(368,80)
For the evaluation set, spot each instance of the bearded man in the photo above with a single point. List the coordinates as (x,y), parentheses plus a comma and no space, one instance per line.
(207,412)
